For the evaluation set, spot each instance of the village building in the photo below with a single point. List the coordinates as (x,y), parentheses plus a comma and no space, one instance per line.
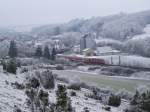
(88,52)
(106,50)
(76,49)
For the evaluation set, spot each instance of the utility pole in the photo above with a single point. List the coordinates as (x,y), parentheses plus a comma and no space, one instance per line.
(119,60)
(111,60)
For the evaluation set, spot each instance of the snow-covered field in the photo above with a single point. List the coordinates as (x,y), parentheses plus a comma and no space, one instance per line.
(10,96)
(114,82)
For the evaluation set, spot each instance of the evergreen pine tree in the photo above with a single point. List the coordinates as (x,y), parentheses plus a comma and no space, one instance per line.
(46,52)
(63,103)
(13,50)
(4,65)
(53,54)
(38,51)
(134,101)
(12,67)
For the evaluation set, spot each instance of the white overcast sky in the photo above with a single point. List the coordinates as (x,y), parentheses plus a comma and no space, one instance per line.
(26,12)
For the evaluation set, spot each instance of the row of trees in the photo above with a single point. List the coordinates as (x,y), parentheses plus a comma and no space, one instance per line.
(11,65)
(46,54)
(13,52)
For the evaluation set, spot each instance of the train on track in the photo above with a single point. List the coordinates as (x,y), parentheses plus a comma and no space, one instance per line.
(84,59)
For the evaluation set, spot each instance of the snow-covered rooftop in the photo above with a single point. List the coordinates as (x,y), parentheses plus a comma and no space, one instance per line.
(106,49)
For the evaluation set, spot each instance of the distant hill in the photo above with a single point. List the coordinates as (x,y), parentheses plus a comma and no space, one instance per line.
(120,26)
(124,32)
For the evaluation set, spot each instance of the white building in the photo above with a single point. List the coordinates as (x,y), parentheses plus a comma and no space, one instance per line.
(88,52)
(106,50)
(76,49)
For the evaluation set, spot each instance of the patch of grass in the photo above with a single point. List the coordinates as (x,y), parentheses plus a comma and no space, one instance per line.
(116,84)
(103,81)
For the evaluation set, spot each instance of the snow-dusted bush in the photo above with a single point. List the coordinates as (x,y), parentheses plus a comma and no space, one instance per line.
(84,85)
(107,108)
(46,79)
(62,79)
(31,93)
(73,93)
(124,94)
(114,100)
(16,85)
(63,103)
(38,101)
(142,89)
(43,96)
(140,101)
(16,109)
(59,67)
(11,67)
(23,70)
(34,82)
(86,109)
(74,86)
(93,96)
(117,70)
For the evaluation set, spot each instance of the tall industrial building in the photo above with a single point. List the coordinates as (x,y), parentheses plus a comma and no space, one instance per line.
(87,42)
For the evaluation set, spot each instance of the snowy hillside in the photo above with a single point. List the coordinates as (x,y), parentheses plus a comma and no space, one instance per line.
(139,44)
(119,26)
(9,96)
(146,33)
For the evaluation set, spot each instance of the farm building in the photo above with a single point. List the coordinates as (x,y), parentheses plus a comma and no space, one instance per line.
(76,49)
(88,52)
(106,50)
